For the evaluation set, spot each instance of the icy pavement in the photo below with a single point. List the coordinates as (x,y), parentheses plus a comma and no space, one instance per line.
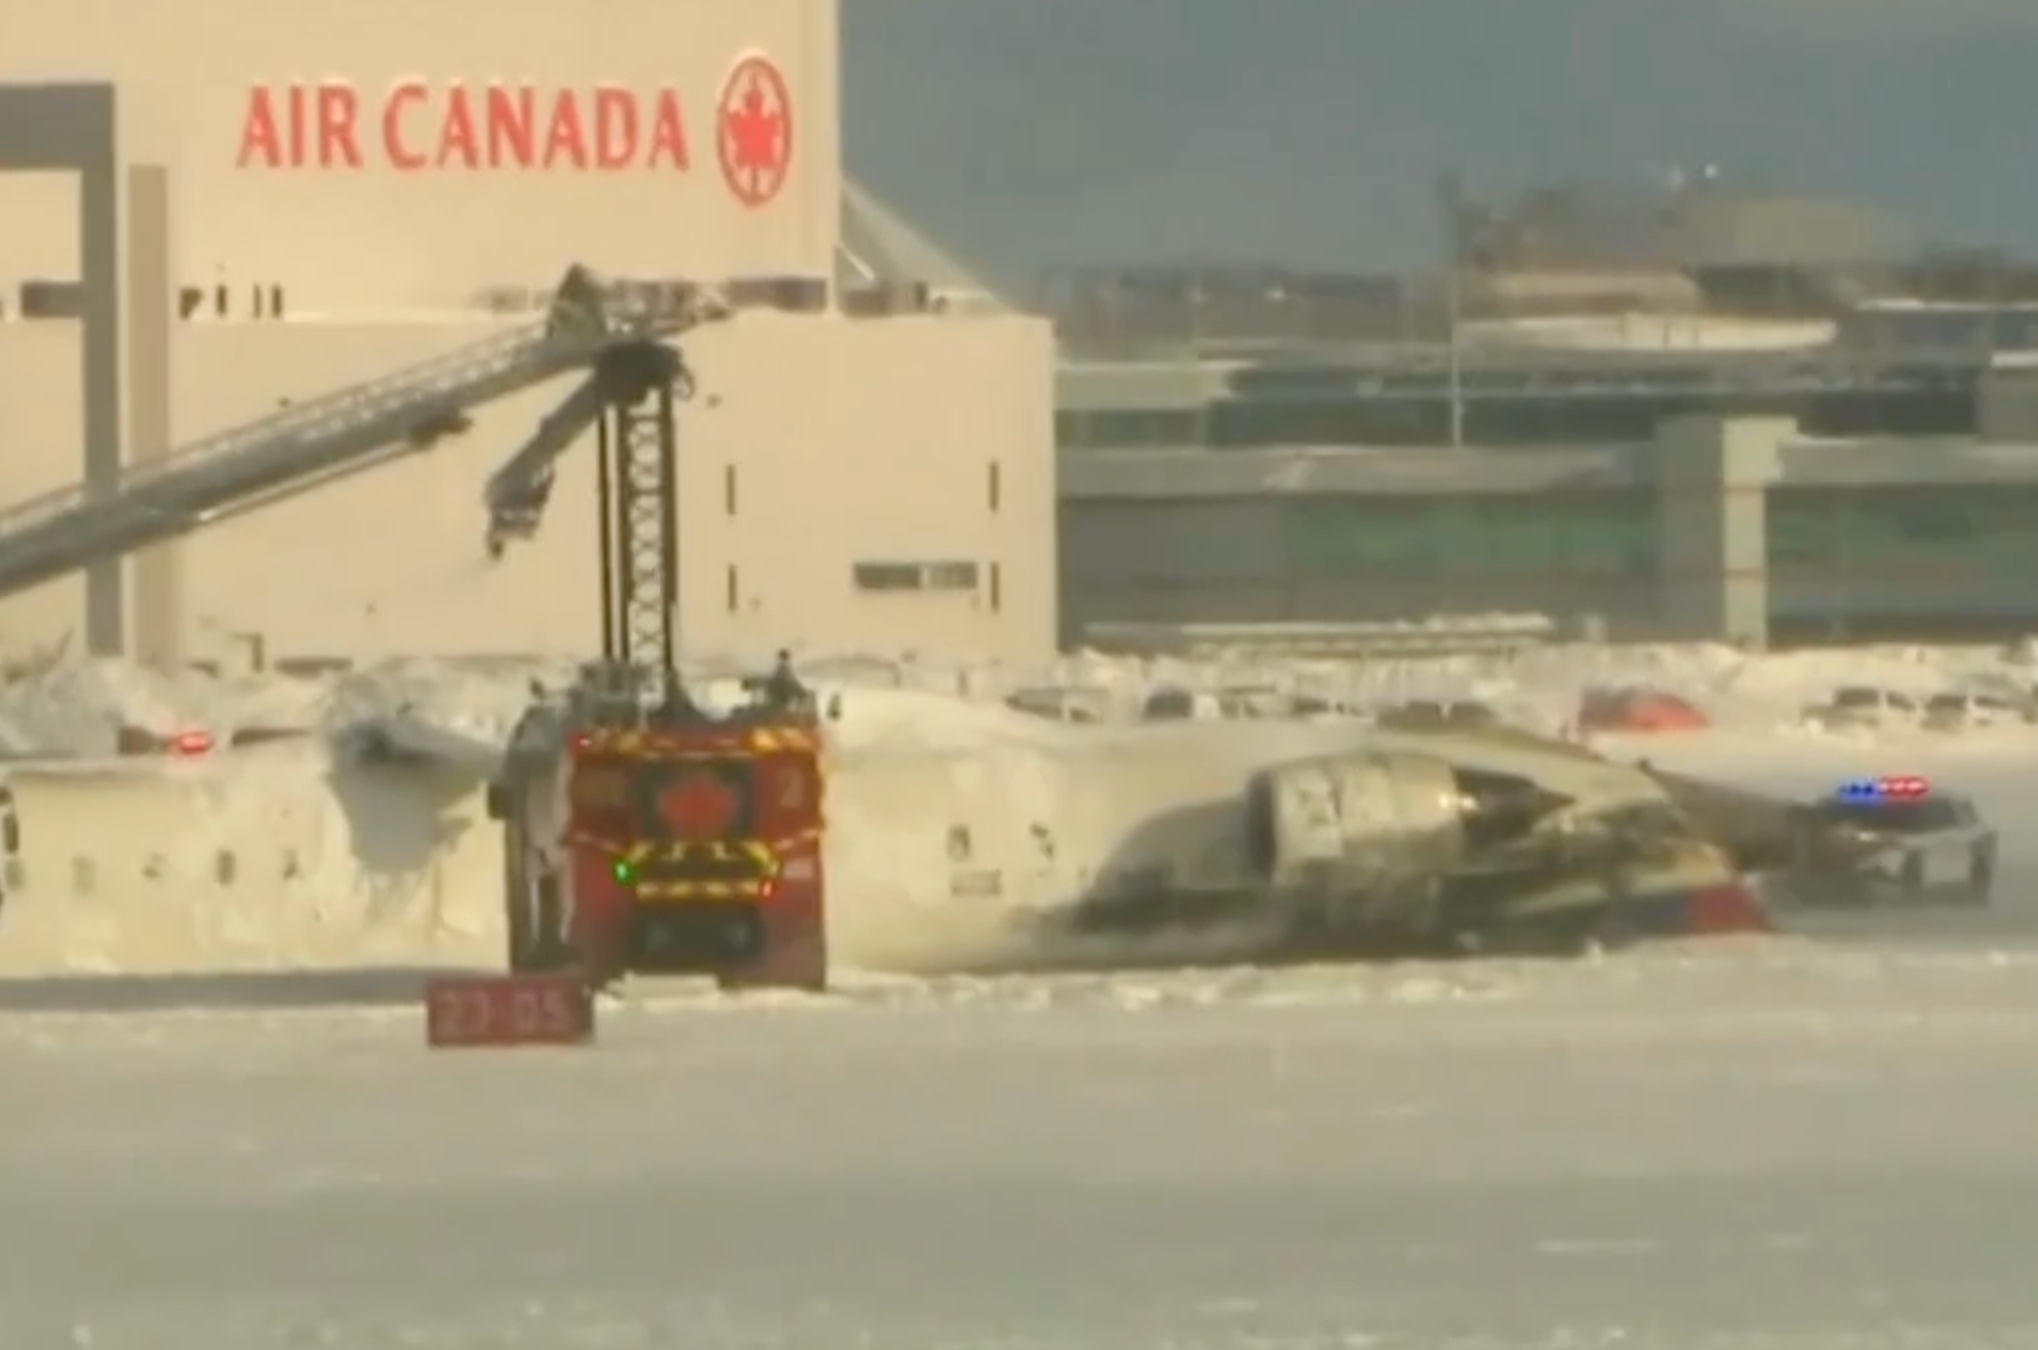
(1797,1149)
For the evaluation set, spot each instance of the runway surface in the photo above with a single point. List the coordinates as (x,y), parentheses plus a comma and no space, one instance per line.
(1821,1140)
(1768,1145)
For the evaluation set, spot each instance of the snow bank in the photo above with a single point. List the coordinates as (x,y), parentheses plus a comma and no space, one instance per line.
(301,854)
(276,857)
(76,709)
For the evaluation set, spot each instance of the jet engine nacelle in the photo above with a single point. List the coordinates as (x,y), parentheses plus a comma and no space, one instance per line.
(1352,823)
(1378,829)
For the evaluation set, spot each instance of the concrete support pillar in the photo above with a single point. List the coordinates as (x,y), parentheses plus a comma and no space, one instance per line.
(2006,404)
(1711,477)
(100,265)
(126,290)
(150,288)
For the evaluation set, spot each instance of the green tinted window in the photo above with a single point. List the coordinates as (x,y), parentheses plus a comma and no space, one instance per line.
(1610,534)
(2005,524)
(1376,537)
(1802,528)
(1604,534)
(1600,534)
(1460,538)
(1937,529)
(1521,536)
(1105,430)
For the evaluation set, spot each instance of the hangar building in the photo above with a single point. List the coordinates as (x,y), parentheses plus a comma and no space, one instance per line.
(374,196)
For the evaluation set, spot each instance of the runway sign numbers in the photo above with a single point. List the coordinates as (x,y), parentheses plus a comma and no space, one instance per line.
(463,1011)
(1885,789)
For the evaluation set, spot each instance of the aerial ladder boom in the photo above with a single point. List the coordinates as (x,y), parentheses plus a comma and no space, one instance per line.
(630,397)
(311,442)
(518,492)
(625,375)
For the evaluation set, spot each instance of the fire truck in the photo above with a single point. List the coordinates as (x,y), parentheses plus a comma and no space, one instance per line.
(642,830)
(665,840)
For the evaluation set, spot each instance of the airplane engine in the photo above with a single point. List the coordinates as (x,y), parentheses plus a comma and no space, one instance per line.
(1377,830)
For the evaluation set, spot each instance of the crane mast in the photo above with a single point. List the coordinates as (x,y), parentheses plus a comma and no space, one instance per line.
(629,397)
(638,498)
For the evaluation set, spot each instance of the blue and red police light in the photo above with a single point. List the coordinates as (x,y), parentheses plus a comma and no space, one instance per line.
(1888,788)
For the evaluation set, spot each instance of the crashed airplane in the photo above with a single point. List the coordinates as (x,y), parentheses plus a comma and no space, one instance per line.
(1315,839)
(1024,843)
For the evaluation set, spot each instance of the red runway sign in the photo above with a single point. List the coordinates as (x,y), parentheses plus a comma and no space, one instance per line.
(504,1010)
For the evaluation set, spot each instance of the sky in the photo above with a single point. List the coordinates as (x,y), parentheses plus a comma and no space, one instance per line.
(1029,134)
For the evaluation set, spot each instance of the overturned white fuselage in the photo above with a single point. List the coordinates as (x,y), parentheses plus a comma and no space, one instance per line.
(1278,836)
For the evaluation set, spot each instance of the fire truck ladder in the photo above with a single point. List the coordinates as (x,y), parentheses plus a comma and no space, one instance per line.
(315,442)
(638,493)
(629,398)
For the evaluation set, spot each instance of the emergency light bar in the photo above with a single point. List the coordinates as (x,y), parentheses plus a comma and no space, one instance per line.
(1886,789)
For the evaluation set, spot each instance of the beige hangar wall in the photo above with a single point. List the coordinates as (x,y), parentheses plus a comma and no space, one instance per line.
(913,446)
(379,160)
(385,152)
(850,440)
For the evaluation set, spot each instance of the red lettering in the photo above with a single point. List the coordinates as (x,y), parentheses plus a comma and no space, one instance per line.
(615,127)
(293,154)
(668,133)
(338,106)
(608,128)
(512,124)
(261,144)
(401,154)
(457,142)
(565,138)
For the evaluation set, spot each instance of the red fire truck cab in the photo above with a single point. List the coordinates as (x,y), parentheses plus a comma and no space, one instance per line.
(689,845)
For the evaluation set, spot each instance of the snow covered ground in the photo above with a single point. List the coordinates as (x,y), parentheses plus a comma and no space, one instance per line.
(1738,1148)
(1818,1141)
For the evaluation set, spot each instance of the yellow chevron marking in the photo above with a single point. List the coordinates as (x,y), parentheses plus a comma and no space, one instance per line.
(683,892)
(648,853)
(716,741)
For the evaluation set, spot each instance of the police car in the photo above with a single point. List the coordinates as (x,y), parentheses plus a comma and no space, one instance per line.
(1892,841)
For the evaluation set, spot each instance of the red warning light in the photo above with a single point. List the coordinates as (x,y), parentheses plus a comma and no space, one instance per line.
(698,806)
(192,742)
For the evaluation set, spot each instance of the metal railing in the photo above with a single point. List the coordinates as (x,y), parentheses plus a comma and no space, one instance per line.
(1445,635)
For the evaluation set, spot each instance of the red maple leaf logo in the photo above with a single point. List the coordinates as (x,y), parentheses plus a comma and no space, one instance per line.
(754,131)
(698,806)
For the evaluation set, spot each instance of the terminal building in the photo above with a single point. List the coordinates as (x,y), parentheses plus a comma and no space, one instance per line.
(229,228)
(1833,447)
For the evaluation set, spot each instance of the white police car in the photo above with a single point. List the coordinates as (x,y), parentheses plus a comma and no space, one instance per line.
(1892,841)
